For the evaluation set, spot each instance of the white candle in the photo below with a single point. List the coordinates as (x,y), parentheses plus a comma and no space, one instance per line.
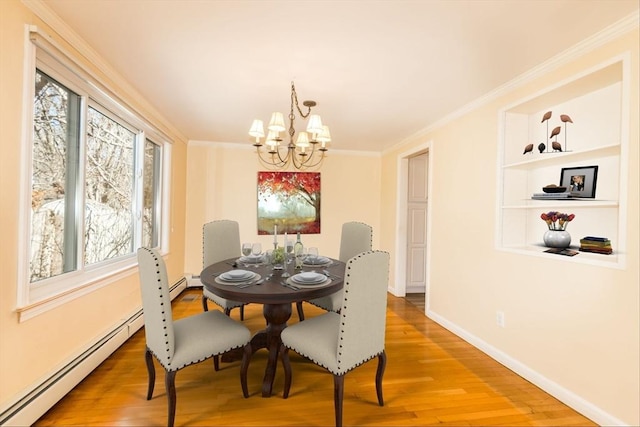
(275,233)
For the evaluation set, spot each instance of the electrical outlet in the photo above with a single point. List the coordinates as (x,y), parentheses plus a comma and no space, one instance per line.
(500,318)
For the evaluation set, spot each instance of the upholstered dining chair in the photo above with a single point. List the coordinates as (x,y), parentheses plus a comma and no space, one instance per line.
(340,342)
(220,241)
(356,237)
(180,343)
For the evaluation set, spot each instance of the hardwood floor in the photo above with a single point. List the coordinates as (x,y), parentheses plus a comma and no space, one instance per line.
(416,299)
(432,378)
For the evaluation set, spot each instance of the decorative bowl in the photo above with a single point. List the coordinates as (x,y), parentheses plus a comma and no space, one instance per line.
(554,189)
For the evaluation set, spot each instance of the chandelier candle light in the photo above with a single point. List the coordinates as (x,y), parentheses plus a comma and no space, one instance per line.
(310,147)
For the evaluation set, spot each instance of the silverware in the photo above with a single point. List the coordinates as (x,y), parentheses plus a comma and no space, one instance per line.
(328,274)
(287,285)
(255,282)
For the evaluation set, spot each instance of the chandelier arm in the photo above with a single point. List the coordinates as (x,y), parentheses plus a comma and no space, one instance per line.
(317,163)
(288,155)
(307,162)
(281,162)
(265,162)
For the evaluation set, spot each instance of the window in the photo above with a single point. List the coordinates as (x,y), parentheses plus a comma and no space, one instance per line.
(96,175)
(108,185)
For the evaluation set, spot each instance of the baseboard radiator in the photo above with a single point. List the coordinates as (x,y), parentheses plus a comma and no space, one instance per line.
(37,401)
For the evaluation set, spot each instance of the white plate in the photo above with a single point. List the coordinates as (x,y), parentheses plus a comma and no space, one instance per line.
(316,260)
(309,278)
(325,282)
(252,279)
(237,275)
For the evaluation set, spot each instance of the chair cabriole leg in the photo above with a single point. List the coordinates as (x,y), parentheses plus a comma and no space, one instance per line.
(338,394)
(216,363)
(148,357)
(382,363)
(242,312)
(170,385)
(244,368)
(205,306)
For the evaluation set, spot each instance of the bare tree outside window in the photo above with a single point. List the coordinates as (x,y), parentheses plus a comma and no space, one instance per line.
(108,189)
(55,143)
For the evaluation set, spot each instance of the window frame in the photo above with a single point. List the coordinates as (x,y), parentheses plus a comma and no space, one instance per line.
(42,53)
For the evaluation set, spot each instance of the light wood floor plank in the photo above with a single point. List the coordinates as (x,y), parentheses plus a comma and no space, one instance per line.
(433,378)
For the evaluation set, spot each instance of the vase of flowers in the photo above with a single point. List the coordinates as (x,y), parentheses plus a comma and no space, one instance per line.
(277,258)
(557,235)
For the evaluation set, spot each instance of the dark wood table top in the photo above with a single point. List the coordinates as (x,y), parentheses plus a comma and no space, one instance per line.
(271,291)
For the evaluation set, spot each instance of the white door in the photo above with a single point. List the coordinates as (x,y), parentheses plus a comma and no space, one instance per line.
(417,223)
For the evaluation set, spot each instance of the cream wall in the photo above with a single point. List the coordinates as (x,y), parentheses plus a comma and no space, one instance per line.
(222,184)
(572,328)
(32,350)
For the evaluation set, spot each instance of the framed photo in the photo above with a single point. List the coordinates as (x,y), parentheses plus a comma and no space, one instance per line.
(581,181)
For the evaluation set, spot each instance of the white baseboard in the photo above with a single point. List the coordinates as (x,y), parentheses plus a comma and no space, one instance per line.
(43,395)
(568,397)
(194,282)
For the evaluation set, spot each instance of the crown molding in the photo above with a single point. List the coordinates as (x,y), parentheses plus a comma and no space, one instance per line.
(612,32)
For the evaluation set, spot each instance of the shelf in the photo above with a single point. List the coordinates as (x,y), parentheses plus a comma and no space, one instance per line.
(610,261)
(574,203)
(553,159)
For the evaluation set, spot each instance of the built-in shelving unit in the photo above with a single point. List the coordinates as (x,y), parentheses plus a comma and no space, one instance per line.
(597,102)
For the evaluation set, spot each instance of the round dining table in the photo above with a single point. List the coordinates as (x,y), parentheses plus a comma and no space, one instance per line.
(276,297)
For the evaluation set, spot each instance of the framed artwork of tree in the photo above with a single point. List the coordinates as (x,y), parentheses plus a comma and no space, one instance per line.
(290,201)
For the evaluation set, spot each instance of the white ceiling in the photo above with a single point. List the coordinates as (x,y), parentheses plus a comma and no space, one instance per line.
(380,71)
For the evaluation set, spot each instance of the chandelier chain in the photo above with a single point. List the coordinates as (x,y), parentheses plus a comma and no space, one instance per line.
(292,116)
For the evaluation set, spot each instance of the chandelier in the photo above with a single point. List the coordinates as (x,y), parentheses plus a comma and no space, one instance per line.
(309,148)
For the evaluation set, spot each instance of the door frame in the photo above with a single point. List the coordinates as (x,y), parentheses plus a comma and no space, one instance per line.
(402,185)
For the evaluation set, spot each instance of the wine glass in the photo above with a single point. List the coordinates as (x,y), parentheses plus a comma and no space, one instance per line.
(246,249)
(289,248)
(256,249)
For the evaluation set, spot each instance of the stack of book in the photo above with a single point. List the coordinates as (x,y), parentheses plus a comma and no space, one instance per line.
(600,245)
(552,196)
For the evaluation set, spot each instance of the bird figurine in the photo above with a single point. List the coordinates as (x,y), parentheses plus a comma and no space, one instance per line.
(555,132)
(564,118)
(528,149)
(556,146)
(541,147)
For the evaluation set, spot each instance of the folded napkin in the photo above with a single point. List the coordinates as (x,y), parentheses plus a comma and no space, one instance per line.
(316,260)
(251,258)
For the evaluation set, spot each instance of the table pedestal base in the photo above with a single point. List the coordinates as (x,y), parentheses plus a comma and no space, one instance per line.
(276,316)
